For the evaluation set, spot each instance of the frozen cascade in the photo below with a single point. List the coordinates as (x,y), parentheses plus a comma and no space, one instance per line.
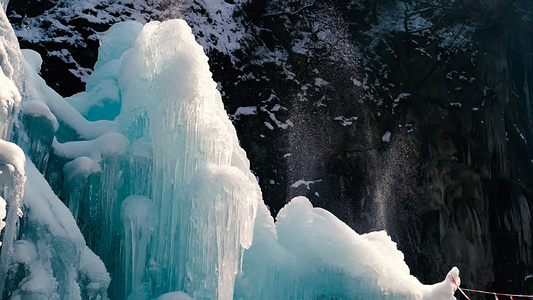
(170,102)
(177,138)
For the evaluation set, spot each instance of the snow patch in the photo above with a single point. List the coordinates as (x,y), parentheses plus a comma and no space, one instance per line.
(386,137)
(307,183)
(244,111)
(11,154)
(346,121)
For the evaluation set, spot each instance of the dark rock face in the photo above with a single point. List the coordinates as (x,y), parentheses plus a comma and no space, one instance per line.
(468,201)
(414,117)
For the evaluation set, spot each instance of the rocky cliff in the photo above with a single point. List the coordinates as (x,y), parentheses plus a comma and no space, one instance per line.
(409,116)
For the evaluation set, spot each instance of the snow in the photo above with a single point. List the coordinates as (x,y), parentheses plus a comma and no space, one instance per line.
(269,126)
(307,183)
(273,118)
(80,165)
(112,142)
(93,271)
(11,63)
(386,137)
(39,109)
(55,25)
(520,133)
(249,110)
(402,96)
(11,154)
(320,82)
(9,95)
(444,290)
(278,107)
(346,121)
(244,111)
(217,31)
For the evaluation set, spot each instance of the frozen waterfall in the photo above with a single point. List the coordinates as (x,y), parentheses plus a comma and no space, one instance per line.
(142,176)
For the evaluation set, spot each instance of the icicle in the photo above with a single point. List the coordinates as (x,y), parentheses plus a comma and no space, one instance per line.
(12,180)
(138,218)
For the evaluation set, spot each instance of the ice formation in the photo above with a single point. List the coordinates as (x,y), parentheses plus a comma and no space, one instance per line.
(153,180)
(43,254)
